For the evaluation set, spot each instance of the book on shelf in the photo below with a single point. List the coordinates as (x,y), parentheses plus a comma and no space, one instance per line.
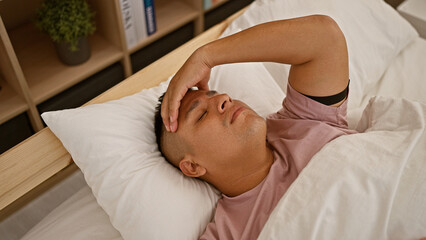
(128,23)
(138,20)
(140,23)
(207,4)
(150,16)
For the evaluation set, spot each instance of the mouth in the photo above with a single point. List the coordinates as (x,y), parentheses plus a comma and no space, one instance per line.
(236,113)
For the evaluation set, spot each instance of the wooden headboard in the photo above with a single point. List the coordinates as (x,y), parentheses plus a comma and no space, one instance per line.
(38,158)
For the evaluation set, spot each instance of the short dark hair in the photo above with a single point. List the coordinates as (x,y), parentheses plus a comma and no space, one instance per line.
(160,128)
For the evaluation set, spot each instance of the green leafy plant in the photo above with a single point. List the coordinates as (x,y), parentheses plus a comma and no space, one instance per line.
(66,20)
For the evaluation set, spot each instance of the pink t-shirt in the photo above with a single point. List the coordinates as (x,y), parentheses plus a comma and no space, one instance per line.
(295,133)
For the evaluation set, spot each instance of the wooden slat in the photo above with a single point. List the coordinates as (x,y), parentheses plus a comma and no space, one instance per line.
(29,164)
(35,160)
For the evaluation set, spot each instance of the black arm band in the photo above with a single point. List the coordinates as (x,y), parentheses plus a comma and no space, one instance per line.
(330,100)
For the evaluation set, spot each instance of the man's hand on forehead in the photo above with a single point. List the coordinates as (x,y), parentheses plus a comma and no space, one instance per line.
(194,72)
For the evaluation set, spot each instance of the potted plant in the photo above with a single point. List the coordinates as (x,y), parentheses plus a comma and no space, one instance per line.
(68,23)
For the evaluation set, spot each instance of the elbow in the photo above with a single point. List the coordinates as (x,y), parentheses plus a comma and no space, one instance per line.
(330,30)
(328,24)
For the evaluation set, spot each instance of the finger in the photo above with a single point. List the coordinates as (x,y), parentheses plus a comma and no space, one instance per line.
(174,104)
(169,109)
(173,126)
(165,113)
(203,85)
(173,116)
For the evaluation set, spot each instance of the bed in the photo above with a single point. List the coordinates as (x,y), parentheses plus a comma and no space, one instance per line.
(365,186)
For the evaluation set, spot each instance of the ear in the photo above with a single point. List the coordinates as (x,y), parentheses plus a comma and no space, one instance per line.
(191,168)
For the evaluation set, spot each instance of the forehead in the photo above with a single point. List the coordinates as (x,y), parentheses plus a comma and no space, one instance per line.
(193,95)
(198,93)
(191,100)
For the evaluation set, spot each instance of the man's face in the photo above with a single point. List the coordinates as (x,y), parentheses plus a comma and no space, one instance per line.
(220,131)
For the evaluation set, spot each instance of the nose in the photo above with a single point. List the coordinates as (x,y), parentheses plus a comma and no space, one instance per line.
(223,102)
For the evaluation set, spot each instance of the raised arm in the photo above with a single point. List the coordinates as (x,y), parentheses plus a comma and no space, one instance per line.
(313,45)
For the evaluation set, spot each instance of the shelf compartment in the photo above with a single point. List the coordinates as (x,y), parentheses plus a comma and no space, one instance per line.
(45,74)
(161,47)
(14,131)
(170,15)
(11,104)
(85,90)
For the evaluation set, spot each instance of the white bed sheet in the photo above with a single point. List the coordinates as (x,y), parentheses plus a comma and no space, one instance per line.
(80,217)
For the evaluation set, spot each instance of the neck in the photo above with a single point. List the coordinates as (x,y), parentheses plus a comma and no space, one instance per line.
(249,176)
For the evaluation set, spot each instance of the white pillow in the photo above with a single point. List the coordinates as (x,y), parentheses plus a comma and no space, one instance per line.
(114,145)
(374,31)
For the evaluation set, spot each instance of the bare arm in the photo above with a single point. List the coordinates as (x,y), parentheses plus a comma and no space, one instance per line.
(313,45)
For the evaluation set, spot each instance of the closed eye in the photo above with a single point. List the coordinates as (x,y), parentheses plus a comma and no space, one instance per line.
(202,116)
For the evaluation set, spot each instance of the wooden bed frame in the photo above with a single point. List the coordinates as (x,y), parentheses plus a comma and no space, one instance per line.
(41,161)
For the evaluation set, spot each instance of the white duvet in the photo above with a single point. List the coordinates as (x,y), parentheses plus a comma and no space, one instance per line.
(370,185)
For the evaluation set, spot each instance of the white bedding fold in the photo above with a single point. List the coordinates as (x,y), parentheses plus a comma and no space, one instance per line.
(356,187)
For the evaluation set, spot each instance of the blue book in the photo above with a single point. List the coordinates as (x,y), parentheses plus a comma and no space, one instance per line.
(151,24)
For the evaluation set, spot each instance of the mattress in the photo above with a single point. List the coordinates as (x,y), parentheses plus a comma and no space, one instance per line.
(80,217)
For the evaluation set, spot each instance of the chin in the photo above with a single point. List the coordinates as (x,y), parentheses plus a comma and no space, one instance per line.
(255,128)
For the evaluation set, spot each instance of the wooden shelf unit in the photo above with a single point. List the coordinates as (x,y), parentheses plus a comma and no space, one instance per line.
(14,96)
(11,103)
(30,70)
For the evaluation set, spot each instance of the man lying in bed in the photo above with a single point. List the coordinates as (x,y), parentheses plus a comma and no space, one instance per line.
(222,141)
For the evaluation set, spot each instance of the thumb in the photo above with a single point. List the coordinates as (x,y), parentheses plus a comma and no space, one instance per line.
(203,85)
